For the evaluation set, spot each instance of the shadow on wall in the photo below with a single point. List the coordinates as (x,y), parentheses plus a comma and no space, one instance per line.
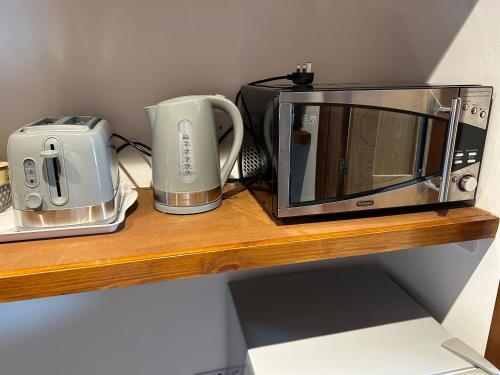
(173,328)
(113,58)
(441,275)
(278,309)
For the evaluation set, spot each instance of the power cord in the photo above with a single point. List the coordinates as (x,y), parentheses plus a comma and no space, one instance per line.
(141,147)
(302,76)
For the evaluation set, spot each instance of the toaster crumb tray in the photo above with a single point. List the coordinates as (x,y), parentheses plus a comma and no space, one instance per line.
(9,232)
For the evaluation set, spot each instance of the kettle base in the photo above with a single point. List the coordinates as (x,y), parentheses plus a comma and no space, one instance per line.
(188,210)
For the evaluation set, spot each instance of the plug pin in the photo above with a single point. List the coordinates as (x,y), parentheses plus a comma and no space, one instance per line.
(308,67)
(298,68)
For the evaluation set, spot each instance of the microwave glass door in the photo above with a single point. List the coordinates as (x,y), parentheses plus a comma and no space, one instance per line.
(341,152)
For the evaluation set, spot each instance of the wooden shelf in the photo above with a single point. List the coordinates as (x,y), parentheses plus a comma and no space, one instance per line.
(153,246)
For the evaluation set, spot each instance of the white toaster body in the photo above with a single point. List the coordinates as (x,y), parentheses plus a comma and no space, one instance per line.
(63,171)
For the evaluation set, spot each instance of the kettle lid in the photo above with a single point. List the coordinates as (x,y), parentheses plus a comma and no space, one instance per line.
(182,99)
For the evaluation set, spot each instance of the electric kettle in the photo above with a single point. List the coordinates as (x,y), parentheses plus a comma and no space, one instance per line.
(187,177)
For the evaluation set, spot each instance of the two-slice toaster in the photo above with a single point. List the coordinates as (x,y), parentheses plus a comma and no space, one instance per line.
(63,171)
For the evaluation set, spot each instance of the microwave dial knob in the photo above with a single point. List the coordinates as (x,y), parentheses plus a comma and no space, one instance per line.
(33,200)
(468,183)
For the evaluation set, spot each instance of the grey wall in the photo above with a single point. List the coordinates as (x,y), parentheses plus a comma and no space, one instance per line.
(112,58)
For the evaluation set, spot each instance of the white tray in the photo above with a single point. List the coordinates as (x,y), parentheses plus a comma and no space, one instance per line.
(9,232)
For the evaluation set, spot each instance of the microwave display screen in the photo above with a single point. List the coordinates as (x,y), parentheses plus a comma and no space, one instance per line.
(339,152)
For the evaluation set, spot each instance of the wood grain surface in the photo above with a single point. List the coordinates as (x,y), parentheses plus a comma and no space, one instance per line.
(153,246)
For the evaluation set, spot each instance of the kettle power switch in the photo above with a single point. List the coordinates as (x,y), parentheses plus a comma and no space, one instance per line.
(33,200)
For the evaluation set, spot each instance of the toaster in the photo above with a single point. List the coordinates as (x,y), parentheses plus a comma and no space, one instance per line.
(63,171)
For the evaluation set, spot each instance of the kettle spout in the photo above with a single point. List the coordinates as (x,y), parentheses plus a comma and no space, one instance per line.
(151,113)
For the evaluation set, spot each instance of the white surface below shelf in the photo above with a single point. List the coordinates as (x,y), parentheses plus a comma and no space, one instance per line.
(410,347)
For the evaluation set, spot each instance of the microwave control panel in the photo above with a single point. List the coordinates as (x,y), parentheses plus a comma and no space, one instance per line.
(469,146)
(470,140)
(471,132)
(476,102)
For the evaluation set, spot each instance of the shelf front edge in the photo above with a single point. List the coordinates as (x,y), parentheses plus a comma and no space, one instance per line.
(75,279)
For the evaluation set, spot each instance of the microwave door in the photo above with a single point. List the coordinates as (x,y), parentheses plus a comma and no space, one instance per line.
(331,166)
(318,148)
(387,148)
(383,150)
(340,152)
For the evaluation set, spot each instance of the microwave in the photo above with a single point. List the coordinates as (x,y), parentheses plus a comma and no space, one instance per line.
(326,149)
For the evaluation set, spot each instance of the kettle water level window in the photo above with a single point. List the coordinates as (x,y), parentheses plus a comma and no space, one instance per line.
(340,152)
(186,158)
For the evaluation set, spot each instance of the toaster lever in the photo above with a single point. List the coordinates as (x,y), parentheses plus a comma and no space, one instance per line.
(49,154)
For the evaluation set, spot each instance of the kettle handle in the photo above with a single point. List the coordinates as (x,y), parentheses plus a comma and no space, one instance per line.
(218,101)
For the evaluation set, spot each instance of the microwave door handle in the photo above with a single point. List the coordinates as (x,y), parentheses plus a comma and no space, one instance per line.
(451,136)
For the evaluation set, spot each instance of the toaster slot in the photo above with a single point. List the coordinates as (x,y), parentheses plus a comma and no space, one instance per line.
(54,166)
(55,173)
(46,121)
(87,121)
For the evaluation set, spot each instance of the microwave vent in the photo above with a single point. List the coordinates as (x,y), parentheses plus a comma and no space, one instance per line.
(252,161)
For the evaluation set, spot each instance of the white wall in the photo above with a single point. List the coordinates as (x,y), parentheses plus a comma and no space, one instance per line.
(474,57)
(112,58)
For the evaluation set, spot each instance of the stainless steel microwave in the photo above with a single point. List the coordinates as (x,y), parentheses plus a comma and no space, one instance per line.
(336,148)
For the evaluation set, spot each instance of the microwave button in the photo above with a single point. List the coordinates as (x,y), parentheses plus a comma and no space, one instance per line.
(459,154)
(472,154)
(470,161)
(468,183)
(482,114)
(473,110)
(458,162)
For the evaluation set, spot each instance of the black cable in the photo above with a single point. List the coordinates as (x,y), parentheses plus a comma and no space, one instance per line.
(247,128)
(288,76)
(136,145)
(247,113)
(238,97)
(277,78)
(142,145)
(237,100)
(298,78)
(225,134)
